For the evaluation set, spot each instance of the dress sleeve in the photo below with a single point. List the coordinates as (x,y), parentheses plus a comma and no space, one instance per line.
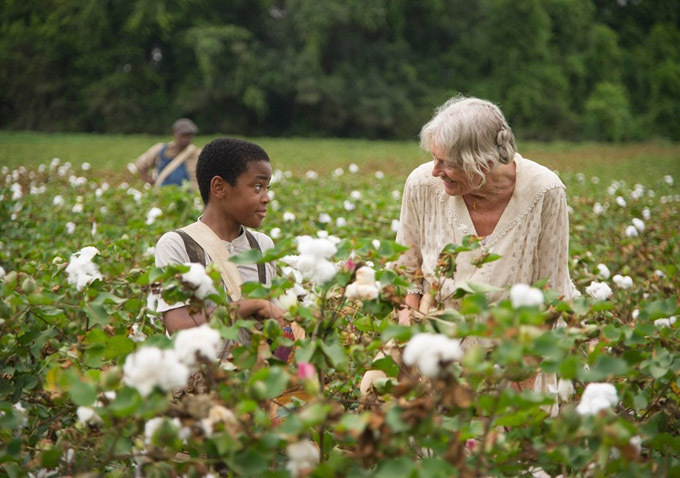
(408,234)
(553,244)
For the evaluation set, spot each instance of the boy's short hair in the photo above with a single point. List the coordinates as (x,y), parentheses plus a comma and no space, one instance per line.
(227,158)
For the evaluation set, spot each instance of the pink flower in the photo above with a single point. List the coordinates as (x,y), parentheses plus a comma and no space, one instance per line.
(306,371)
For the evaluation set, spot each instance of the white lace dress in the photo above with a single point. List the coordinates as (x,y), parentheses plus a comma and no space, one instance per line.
(532,236)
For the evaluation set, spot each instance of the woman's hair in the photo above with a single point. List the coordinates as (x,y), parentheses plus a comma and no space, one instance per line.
(470,133)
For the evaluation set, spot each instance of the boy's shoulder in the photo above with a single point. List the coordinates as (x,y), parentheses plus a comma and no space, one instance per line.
(262,239)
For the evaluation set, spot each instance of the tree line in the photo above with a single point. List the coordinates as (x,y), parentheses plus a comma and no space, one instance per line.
(560,69)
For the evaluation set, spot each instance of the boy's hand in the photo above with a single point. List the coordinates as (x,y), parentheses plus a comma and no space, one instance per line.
(269,310)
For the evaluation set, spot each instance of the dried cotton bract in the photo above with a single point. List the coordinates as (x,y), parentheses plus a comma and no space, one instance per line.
(364,288)
(197,277)
(522,295)
(596,397)
(432,353)
(81,270)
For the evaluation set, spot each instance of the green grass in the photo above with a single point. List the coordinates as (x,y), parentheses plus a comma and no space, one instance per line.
(111,153)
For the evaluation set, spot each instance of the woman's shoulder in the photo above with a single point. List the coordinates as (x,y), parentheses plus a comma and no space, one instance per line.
(536,176)
(422,175)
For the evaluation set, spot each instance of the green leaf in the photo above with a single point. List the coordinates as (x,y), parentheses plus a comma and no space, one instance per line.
(97,314)
(387,365)
(396,468)
(82,393)
(118,346)
(606,366)
(126,402)
(335,354)
(251,256)
(50,458)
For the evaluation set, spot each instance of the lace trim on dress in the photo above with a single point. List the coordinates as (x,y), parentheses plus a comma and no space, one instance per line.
(494,238)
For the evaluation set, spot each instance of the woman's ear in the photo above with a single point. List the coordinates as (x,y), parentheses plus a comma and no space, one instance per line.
(218,187)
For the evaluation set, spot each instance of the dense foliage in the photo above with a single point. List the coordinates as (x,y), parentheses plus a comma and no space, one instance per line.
(73,328)
(599,69)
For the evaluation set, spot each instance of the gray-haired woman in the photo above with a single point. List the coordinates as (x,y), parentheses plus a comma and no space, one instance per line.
(477,183)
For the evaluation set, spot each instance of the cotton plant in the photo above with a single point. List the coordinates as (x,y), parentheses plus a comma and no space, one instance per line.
(81,270)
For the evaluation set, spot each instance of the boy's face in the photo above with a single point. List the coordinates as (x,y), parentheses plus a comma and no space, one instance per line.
(246,203)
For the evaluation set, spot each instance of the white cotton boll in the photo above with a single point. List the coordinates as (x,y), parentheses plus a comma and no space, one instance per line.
(522,295)
(375,243)
(353,168)
(394,227)
(152,215)
(322,234)
(646,214)
(379,175)
(197,277)
(340,222)
(666,322)
(315,247)
(16,191)
(599,291)
(603,271)
(288,300)
(55,162)
(396,195)
(338,172)
(598,209)
(639,224)
(623,282)
(635,314)
(659,273)
(303,457)
(137,335)
(288,216)
(311,174)
(58,200)
(565,389)
(668,179)
(152,425)
(88,415)
(204,341)
(81,270)
(136,195)
(432,353)
(275,233)
(349,205)
(620,201)
(93,231)
(2,272)
(150,251)
(631,231)
(365,275)
(323,272)
(150,366)
(132,168)
(86,166)
(325,218)
(356,195)
(362,292)
(596,397)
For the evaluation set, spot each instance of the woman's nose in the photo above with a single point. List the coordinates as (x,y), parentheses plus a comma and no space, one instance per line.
(436,170)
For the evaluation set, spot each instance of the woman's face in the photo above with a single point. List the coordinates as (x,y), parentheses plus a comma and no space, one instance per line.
(455,180)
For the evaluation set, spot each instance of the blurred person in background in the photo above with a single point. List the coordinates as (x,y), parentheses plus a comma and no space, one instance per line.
(172,163)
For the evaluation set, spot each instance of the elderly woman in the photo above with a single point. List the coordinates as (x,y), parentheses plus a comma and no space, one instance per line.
(477,183)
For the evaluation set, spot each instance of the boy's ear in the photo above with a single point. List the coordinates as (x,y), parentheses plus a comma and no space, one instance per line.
(218,187)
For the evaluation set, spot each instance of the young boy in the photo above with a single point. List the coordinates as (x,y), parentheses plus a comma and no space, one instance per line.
(233,179)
